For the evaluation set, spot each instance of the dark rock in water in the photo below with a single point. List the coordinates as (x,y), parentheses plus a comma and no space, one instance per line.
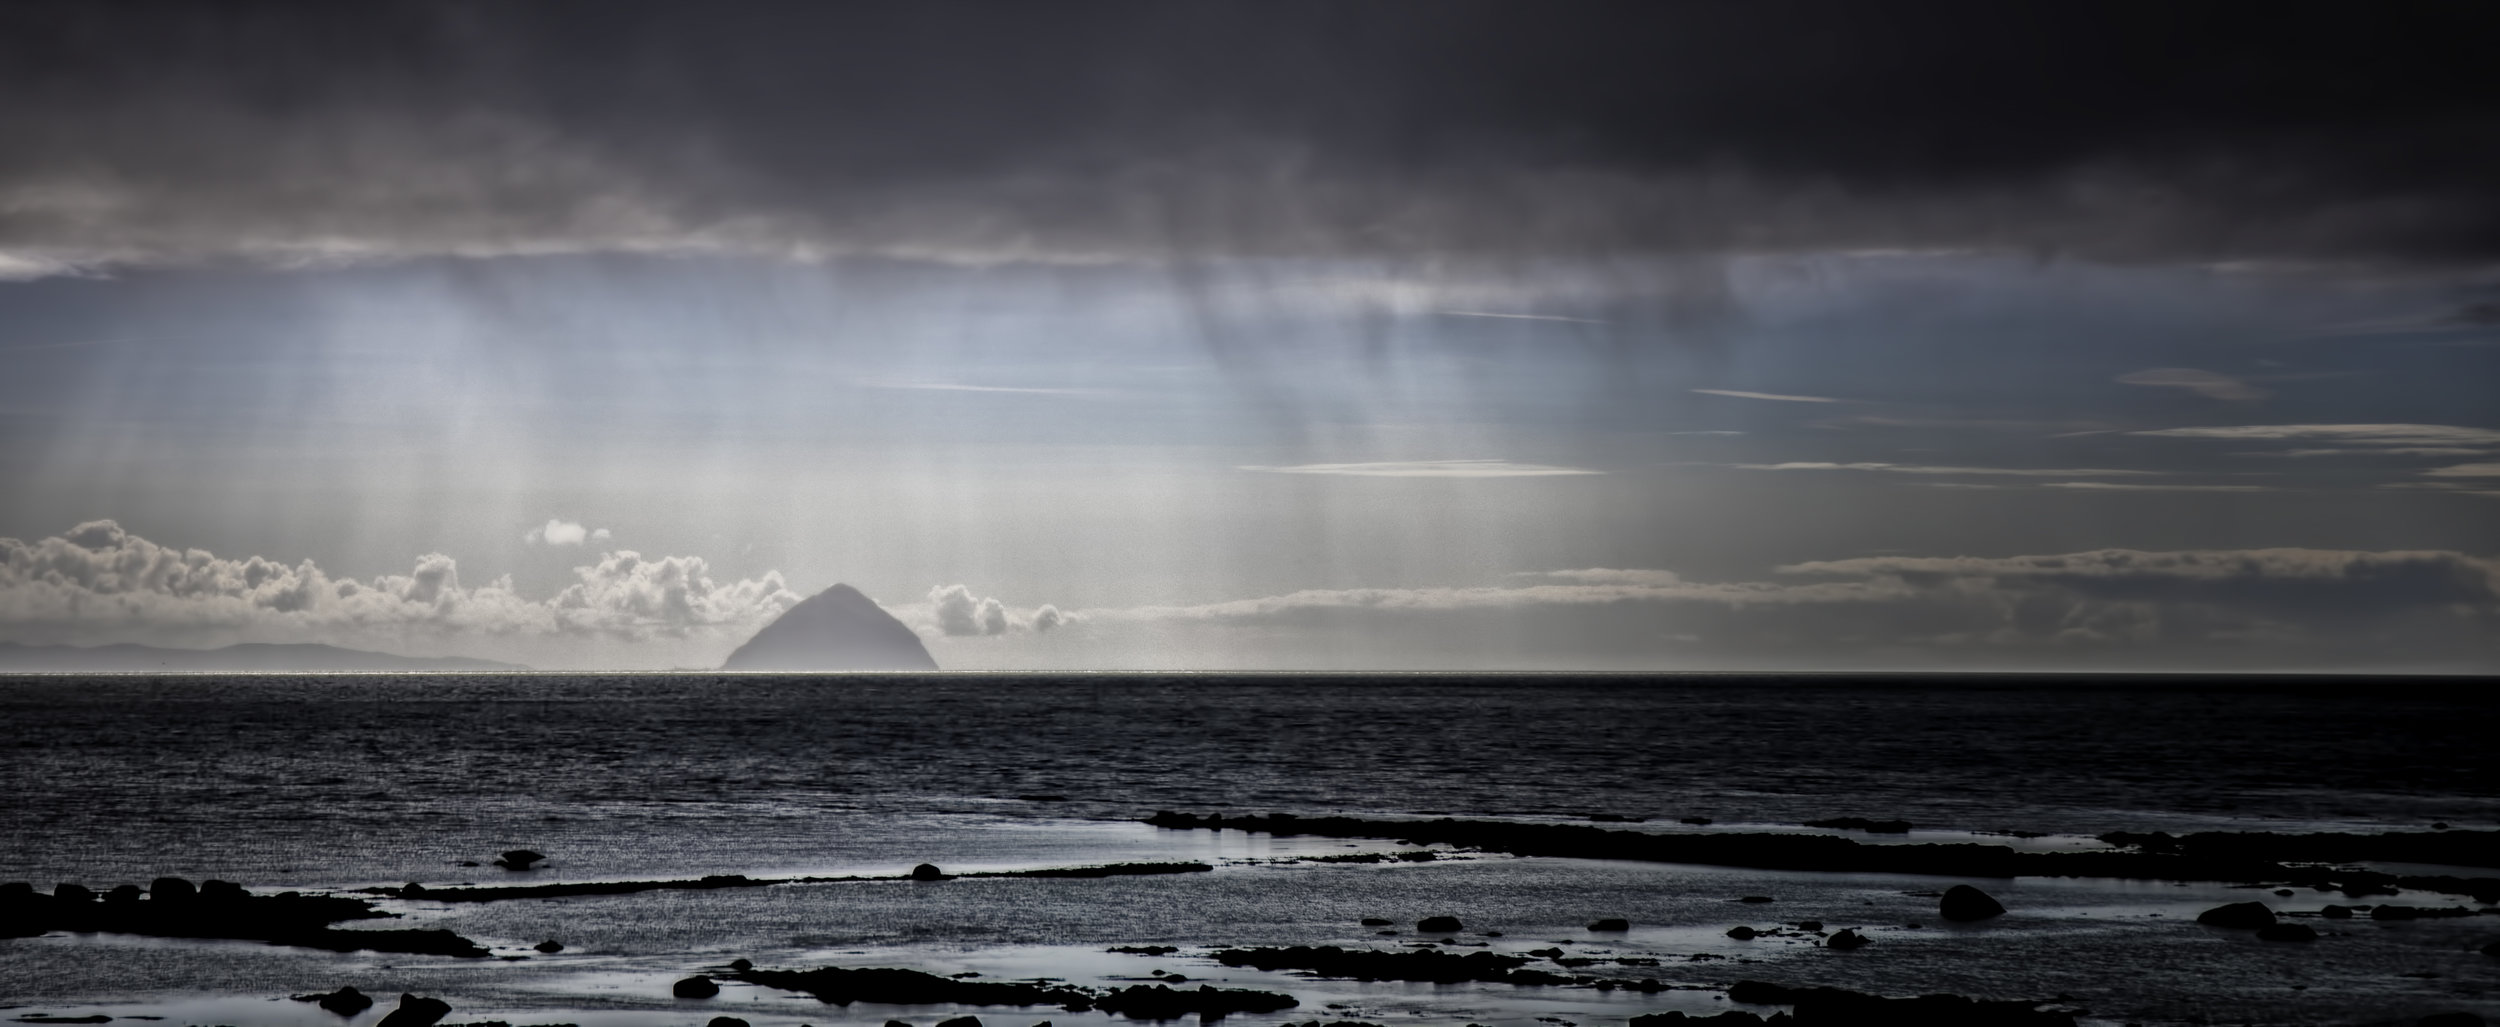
(1157,1002)
(1695,821)
(694,987)
(89,1018)
(288,918)
(68,892)
(123,893)
(1432,965)
(1612,923)
(725,1021)
(2238,916)
(519,859)
(1741,932)
(171,889)
(2417,912)
(897,1023)
(845,985)
(1731,1018)
(1863,824)
(1145,950)
(2450,1020)
(1838,1006)
(1757,899)
(222,891)
(346,1001)
(836,629)
(2284,893)
(550,946)
(927,872)
(2492,950)
(415,1011)
(741,965)
(2333,912)
(2287,932)
(961,1021)
(1846,939)
(1373,921)
(1963,904)
(1438,925)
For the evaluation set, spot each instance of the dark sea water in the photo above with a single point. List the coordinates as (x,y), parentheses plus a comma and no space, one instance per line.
(317,782)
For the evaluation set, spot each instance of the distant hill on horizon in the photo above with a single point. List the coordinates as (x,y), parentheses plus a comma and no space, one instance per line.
(130,657)
(836,629)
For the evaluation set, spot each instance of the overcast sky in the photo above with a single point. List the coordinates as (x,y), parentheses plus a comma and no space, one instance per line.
(1279,335)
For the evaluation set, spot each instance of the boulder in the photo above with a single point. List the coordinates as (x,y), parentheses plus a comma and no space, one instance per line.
(1964,904)
(550,946)
(961,1021)
(898,1023)
(1741,932)
(2238,916)
(222,891)
(1373,921)
(1612,923)
(1695,821)
(67,892)
(2334,912)
(346,1001)
(725,1021)
(742,965)
(2287,932)
(519,859)
(1438,925)
(171,889)
(123,893)
(1757,899)
(415,1011)
(927,872)
(697,986)
(1846,939)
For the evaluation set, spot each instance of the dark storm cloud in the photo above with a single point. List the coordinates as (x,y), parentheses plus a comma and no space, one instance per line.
(1086,130)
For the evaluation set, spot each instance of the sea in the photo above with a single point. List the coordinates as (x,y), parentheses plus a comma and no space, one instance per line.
(338,782)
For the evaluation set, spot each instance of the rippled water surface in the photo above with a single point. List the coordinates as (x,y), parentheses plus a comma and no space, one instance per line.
(318,782)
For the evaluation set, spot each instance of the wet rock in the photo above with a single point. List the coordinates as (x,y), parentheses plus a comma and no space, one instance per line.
(1145,950)
(1757,899)
(694,987)
(961,1021)
(1741,932)
(67,892)
(171,889)
(1157,1002)
(222,891)
(1431,965)
(1612,923)
(123,893)
(2333,912)
(741,965)
(898,1023)
(1438,925)
(725,1021)
(1964,904)
(2287,932)
(1838,1006)
(1731,1018)
(415,1011)
(1373,921)
(1815,926)
(2284,893)
(1695,821)
(346,1001)
(927,872)
(550,946)
(2417,912)
(519,859)
(845,985)
(1846,939)
(1863,824)
(2238,916)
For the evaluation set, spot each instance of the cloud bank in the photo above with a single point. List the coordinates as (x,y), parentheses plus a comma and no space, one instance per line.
(101,583)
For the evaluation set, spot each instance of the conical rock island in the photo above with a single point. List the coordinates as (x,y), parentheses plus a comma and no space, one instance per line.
(836,629)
